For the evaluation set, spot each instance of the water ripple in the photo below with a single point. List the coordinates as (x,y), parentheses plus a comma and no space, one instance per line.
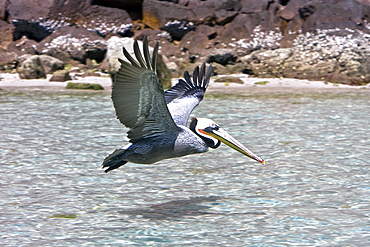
(314,190)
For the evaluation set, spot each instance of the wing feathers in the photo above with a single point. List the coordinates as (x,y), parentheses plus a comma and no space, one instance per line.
(207,77)
(138,55)
(187,77)
(128,56)
(187,87)
(196,76)
(138,97)
(155,57)
(186,94)
(146,54)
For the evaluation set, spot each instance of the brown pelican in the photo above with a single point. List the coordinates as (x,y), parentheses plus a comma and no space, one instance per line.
(158,119)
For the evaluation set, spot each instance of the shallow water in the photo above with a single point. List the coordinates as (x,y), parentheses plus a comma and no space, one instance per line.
(313,191)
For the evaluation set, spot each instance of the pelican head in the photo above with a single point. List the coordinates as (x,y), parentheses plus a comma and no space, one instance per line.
(212,134)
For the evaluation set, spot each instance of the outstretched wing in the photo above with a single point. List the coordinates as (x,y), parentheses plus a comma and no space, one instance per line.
(182,98)
(138,96)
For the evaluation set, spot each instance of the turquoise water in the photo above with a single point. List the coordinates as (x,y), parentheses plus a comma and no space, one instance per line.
(313,191)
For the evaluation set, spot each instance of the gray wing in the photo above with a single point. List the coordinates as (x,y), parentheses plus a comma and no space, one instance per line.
(182,98)
(138,96)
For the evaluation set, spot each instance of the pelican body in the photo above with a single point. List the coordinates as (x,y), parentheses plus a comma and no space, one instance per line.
(158,119)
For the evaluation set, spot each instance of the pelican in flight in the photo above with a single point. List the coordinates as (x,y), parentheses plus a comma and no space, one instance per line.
(158,119)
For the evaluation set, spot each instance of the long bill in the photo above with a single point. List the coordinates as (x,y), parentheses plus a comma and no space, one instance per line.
(224,137)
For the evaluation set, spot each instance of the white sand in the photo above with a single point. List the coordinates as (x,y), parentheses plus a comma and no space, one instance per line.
(13,82)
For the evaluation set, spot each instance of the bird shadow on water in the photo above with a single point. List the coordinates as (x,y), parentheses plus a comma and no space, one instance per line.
(177,209)
(174,209)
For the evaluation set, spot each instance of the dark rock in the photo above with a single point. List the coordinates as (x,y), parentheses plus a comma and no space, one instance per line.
(29,10)
(223,10)
(291,9)
(308,9)
(152,35)
(250,6)
(6,34)
(156,14)
(342,14)
(133,7)
(40,20)
(8,60)
(329,16)
(203,15)
(31,29)
(99,19)
(23,46)
(31,68)
(166,47)
(71,44)
(61,76)
(177,29)
(223,57)
(216,11)
(260,27)
(218,69)
(105,20)
(3,9)
(227,5)
(51,64)
(223,17)
(292,30)
(210,32)
(240,28)
(195,37)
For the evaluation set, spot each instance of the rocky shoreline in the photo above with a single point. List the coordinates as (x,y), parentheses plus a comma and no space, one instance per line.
(324,40)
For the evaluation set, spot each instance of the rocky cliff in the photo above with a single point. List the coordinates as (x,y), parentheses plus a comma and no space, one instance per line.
(311,39)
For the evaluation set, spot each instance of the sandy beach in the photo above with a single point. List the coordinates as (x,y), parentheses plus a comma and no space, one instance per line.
(12,82)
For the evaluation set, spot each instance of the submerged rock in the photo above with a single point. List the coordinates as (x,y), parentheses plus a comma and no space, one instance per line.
(89,86)
(229,79)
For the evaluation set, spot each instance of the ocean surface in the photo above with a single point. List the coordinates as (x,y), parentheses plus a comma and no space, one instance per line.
(313,191)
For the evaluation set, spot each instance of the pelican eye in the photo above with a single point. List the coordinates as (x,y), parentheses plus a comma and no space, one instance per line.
(215,127)
(212,128)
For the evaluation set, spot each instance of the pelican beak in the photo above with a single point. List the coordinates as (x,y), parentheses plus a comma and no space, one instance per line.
(224,137)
